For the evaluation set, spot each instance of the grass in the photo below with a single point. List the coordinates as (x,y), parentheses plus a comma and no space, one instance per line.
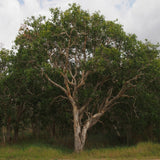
(42,151)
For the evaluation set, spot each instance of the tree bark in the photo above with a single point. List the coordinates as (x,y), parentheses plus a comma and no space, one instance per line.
(3,133)
(8,134)
(80,133)
(77,130)
(16,133)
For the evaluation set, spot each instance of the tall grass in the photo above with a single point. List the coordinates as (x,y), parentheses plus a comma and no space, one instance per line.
(42,151)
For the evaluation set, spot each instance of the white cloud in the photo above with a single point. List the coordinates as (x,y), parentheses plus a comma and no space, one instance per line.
(9,15)
(142,17)
(144,20)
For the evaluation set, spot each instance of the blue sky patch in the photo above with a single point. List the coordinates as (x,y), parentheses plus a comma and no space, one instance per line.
(131,2)
(21,2)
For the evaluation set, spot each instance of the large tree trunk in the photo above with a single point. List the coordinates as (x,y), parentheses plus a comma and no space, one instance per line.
(77,131)
(80,133)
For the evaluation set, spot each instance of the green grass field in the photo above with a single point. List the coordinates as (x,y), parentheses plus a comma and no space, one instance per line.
(41,151)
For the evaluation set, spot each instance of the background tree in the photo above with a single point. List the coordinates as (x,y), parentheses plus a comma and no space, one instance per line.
(5,66)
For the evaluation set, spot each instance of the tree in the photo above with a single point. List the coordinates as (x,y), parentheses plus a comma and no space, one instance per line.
(13,98)
(95,59)
(5,67)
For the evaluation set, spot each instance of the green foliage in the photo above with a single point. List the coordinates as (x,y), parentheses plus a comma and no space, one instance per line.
(112,57)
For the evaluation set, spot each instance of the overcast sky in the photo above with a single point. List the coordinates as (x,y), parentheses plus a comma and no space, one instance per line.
(141,17)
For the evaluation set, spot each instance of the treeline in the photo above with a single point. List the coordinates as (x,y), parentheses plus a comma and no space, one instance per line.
(79,69)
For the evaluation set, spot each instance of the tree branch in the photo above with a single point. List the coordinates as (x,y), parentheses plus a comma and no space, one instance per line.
(54,83)
(54,99)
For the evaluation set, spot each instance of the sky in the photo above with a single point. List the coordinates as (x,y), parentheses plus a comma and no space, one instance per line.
(137,16)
